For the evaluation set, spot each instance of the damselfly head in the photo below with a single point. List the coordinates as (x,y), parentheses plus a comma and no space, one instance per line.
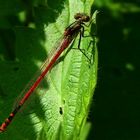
(82,17)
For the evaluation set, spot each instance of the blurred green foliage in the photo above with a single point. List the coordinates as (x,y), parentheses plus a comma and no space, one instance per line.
(115,112)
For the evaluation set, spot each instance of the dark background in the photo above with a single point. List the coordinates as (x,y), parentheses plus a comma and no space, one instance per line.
(115,112)
(116,109)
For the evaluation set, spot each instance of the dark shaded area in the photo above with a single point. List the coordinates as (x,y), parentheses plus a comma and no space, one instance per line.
(116,109)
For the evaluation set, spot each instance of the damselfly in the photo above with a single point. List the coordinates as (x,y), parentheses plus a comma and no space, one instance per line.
(69,36)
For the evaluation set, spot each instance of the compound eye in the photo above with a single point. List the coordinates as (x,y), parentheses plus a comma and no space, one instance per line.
(82,17)
(86,18)
(78,15)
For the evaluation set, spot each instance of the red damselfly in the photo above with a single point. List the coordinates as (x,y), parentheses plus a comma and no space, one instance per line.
(69,36)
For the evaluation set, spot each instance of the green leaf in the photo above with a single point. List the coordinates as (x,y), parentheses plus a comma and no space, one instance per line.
(60,107)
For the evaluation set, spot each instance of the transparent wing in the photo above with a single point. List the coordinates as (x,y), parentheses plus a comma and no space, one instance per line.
(37,74)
